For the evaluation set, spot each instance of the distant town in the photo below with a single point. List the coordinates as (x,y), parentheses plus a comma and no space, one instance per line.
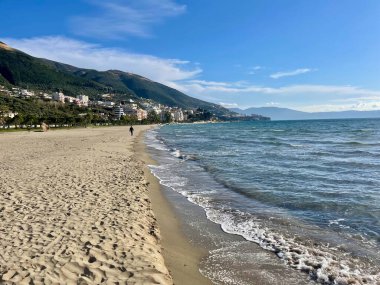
(104,111)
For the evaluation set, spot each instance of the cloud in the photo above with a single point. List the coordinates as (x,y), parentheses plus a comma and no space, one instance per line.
(93,56)
(242,87)
(299,71)
(123,18)
(310,98)
(271,104)
(208,83)
(254,69)
(228,105)
(359,106)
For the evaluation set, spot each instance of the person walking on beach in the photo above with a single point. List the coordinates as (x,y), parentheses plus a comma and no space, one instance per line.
(131,130)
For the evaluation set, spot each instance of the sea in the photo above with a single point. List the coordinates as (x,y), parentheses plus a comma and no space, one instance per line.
(299,199)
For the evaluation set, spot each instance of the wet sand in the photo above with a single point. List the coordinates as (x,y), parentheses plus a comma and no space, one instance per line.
(181,257)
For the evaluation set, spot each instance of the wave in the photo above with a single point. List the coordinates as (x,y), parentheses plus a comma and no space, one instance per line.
(323,263)
(178,154)
(356,143)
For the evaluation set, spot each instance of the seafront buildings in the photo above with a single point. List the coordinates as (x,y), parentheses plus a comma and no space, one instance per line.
(134,108)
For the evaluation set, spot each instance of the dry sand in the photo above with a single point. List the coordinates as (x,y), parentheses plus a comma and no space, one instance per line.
(74,209)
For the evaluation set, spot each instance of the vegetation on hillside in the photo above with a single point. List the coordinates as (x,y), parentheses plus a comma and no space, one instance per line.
(20,69)
(28,112)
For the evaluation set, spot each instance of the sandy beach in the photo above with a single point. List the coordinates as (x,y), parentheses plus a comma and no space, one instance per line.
(75,208)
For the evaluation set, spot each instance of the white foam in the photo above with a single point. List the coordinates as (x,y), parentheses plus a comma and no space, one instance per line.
(321,263)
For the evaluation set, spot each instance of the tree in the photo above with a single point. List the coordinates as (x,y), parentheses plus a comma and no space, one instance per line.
(4,110)
(153,117)
(167,117)
(17,120)
(30,119)
(88,119)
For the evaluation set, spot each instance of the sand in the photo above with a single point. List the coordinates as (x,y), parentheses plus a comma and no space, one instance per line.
(181,257)
(74,209)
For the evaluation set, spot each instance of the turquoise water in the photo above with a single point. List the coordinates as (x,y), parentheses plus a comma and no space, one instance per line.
(307,190)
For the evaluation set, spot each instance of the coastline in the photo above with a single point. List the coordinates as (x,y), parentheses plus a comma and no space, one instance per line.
(74,208)
(181,257)
(227,258)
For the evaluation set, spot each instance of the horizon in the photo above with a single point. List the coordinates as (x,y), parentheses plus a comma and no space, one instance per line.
(275,107)
(310,57)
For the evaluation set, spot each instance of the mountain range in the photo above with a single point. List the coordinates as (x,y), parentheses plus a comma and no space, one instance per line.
(276,113)
(20,69)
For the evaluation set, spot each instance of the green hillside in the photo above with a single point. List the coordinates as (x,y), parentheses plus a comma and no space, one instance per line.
(20,69)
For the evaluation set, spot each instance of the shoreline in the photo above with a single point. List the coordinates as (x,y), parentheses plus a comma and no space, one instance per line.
(181,257)
(229,258)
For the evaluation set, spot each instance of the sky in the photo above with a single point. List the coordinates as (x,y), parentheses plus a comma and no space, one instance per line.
(321,55)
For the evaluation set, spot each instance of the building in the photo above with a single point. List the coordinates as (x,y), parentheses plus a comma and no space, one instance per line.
(10,114)
(118,112)
(109,104)
(70,99)
(139,113)
(59,96)
(177,115)
(83,99)
(25,93)
(46,96)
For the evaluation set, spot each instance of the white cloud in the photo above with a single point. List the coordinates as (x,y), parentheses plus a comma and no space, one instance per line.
(254,69)
(356,99)
(242,87)
(92,56)
(121,18)
(311,98)
(290,73)
(271,104)
(359,106)
(208,83)
(228,105)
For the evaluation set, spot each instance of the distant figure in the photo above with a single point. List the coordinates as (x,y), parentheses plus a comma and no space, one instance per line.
(131,130)
(44,127)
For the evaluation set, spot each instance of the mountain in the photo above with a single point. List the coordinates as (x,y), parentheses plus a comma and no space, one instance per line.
(20,69)
(276,113)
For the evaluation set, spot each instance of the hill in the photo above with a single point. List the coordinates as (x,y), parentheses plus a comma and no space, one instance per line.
(20,69)
(276,113)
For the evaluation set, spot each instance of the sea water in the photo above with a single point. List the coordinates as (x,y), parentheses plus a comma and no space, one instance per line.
(306,191)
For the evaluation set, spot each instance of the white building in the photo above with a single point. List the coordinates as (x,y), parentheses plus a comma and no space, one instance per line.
(26,93)
(70,99)
(118,111)
(83,100)
(109,104)
(58,96)
(177,115)
(141,114)
(157,110)
(132,106)
(46,96)
(10,114)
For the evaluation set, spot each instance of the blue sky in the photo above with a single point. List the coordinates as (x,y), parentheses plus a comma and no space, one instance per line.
(317,55)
